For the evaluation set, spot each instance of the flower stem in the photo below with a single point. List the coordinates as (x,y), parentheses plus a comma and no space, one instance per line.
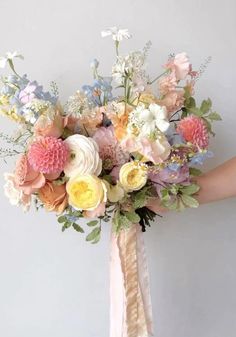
(159,76)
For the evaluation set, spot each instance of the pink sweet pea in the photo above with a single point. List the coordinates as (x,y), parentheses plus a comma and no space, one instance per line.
(179,65)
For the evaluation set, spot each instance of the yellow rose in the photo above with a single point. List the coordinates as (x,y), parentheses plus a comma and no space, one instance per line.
(86,192)
(133,176)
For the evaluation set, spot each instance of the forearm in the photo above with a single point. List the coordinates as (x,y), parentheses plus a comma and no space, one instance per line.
(218,184)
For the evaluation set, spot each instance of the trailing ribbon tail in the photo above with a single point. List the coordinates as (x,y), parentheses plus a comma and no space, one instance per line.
(130,308)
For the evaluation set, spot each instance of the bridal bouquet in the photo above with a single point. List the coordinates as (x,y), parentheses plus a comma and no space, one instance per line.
(115,149)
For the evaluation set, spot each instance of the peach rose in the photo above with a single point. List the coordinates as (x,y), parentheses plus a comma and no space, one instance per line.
(54,197)
(26,179)
(50,127)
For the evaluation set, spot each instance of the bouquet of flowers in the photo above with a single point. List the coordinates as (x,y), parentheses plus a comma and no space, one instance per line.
(112,151)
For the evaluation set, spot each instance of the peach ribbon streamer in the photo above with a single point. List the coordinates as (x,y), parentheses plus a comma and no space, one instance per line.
(130,307)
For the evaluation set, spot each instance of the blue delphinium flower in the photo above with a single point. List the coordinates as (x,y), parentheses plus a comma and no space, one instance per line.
(100,92)
(200,157)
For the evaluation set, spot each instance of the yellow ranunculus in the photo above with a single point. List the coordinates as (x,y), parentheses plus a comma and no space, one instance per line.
(86,192)
(133,176)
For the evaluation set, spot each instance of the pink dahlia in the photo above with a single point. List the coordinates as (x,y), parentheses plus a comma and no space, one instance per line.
(48,155)
(193,129)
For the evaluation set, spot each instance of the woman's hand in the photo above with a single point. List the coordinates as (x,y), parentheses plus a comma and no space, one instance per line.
(217,184)
(154,204)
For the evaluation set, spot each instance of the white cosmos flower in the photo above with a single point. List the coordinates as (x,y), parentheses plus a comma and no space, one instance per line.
(116,33)
(84,156)
(9,57)
(149,120)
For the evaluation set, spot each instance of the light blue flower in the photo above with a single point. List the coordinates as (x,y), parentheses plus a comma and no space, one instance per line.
(100,92)
(200,157)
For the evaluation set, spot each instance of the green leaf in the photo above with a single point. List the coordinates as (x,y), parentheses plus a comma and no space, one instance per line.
(190,189)
(94,235)
(190,103)
(62,219)
(206,106)
(66,225)
(165,195)
(172,206)
(77,228)
(209,127)
(124,222)
(214,116)
(133,217)
(181,207)
(195,172)
(189,201)
(196,111)
(92,223)
(139,200)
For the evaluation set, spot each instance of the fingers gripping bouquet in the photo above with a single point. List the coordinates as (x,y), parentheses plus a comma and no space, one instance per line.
(114,148)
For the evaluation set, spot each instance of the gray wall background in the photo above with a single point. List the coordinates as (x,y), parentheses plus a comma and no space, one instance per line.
(55,284)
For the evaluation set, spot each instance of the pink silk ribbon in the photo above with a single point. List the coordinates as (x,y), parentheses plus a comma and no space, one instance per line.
(130,307)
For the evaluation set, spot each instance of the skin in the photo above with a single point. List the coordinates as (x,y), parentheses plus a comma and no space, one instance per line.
(217,184)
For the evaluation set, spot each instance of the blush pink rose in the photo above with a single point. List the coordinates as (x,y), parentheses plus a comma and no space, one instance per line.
(26,179)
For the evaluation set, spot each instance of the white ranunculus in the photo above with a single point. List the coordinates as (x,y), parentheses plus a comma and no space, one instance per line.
(16,197)
(84,156)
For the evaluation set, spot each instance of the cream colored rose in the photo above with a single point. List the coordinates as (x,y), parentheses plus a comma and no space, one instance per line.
(133,176)
(84,156)
(86,192)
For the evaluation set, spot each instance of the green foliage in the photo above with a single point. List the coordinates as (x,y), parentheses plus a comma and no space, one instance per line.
(139,198)
(194,172)
(94,235)
(178,197)
(204,111)
(92,223)
(69,219)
